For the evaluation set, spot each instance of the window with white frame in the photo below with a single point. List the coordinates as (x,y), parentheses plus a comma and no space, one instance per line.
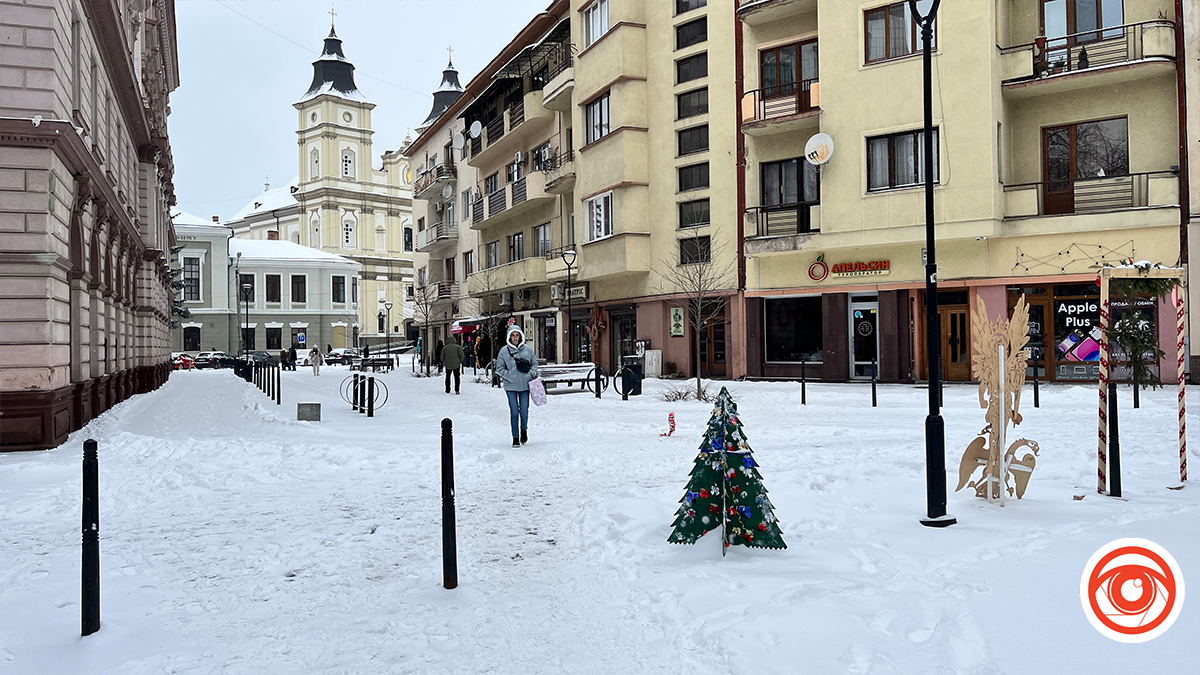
(599,216)
(191,279)
(347,163)
(595,22)
(349,236)
(339,289)
(299,289)
(314,162)
(493,254)
(599,118)
(541,240)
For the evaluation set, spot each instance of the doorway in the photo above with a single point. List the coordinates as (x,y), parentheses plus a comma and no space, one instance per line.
(712,356)
(624,333)
(956,343)
(864,335)
(191,339)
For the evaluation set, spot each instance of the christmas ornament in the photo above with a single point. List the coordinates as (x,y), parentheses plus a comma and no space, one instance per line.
(671,422)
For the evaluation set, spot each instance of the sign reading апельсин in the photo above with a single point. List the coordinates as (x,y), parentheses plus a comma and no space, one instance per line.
(862,269)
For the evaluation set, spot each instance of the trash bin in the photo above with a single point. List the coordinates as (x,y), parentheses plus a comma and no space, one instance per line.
(631,375)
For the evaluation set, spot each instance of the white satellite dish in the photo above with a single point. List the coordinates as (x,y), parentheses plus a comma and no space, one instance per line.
(458,141)
(447,192)
(476,127)
(818,149)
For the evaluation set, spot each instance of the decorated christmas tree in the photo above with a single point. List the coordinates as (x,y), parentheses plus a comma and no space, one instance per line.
(726,490)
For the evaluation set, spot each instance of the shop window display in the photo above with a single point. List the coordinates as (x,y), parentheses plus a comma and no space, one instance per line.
(794,329)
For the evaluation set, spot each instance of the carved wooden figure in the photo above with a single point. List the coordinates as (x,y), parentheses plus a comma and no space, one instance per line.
(999,365)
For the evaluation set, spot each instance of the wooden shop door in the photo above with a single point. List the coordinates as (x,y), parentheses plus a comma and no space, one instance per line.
(712,357)
(956,343)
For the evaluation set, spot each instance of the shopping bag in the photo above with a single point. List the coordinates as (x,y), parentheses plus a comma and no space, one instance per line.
(537,391)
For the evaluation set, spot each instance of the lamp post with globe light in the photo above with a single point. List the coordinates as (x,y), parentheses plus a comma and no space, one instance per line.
(387,330)
(247,290)
(568,257)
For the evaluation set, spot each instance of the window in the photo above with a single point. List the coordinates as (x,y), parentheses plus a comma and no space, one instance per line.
(793,329)
(682,6)
(595,22)
(354,289)
(274,288)
(895,161)
(515,171)
(349,238)
(694,213)
(449,215)
(493,254)
(516,247)
(599,118)
(542,155)
(408,291)
(694,177)
(314,159)
(1073,17)
(691,68)
(243,281)
(408,239)
(692,103)
(541,240)
(191,279)
(468,262)
(191,339)
(299,289)
(695,250)
(274,338)
(466,204)
(491,184)
(778,68)
(693,140)
(348,163)
(789,182)
(248,338)
(691,33)
(314,222)
(892,32)
(1075,152)
(599,216)
(339,289)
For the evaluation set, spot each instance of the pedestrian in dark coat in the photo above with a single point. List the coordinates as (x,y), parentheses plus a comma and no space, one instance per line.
(437,355)
(292,358)
(452,358)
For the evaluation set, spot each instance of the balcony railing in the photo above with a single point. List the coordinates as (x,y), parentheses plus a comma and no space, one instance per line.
(497,201)
(446,290)
(785,100)
(495,130)
(783,219)
(431,177)
(518,191)
(435,234)
(477,211)
(1104,193)
(516,114)
(1094,49)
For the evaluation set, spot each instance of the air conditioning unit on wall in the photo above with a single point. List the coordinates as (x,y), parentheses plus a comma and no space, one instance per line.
(439,207)
(556,292)
(506,299)
(524,294)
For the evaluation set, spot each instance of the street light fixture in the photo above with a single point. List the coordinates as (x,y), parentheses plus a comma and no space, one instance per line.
(935,426)
(568,257)
(247,290)
(387,331)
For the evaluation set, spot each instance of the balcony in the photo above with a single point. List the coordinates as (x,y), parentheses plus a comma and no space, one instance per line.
(510,201)
(437,235)
(758,12)
(620,254)
(557,93)
(447,290)
(782,227)
(1091,195)
(515,130)
(1099,58)
(507,277)
(433,179)
(560,173)
(782,108)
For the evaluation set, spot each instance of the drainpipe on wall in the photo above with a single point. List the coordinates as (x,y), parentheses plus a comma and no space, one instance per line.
(1184,184)
(740,214)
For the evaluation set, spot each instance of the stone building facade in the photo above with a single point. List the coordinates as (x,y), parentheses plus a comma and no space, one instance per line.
(85,187)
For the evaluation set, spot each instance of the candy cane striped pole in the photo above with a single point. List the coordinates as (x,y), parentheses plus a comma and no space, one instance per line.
(1179,367)
(1102,446)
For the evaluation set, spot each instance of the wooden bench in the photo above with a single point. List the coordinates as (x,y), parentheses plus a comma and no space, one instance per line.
(375,363)
(554,374)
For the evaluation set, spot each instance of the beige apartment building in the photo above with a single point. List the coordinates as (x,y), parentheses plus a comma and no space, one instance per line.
(1057,142)
(85,233)
(341,204)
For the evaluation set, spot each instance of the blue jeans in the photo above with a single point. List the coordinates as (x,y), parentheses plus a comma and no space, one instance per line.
(518,407)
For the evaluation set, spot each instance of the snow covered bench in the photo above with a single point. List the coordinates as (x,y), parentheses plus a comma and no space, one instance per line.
(375,363)
(553,374)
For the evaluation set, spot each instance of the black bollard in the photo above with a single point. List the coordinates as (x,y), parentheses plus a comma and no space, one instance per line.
(1137,397)
(803,382)
(449,542)
(90,605)
(597,381)
(1114,444)
(278,386)
(354,392)
(874,373)
(1037,401)
(362,394)
(371,397)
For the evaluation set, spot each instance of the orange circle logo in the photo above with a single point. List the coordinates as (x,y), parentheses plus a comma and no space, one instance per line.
(818,270)
(1131,590)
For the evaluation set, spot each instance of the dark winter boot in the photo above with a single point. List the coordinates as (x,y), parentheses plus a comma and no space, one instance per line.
(524,436)
(516,442)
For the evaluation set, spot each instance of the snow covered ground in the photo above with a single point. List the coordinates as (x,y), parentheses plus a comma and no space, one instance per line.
(237,540)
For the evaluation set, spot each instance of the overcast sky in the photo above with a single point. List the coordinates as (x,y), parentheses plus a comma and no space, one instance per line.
(232,122)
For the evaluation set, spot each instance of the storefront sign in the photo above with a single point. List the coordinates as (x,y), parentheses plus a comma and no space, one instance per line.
(862,269)
(677,328)
(1077,329)
(818,270)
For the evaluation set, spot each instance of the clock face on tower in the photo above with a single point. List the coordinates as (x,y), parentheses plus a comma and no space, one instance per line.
(313,118)
(347,117)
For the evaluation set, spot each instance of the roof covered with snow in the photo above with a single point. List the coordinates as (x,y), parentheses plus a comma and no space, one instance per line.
(183,218)
(333,73)
(444,96)
(270,249)
(269,200)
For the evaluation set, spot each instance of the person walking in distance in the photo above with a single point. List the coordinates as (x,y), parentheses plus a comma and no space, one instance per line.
(316,359)
(516,365)
(292,358)
(437,355)
(452,358)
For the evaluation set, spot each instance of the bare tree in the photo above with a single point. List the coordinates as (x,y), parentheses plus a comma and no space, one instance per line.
(424,296)
(700,276)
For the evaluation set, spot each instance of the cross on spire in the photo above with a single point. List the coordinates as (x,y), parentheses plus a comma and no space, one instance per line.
(332,15)
(450,51)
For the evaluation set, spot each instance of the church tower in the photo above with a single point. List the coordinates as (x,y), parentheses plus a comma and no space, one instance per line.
(346,205)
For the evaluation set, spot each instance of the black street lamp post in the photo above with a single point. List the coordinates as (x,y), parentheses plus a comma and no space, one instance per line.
(568,257)
(237,298)
(935,426)
(247,289)
(387,331)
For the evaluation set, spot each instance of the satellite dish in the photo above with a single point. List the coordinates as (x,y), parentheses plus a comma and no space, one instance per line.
(447,192)
(458,141)
(818,149)
(476,127)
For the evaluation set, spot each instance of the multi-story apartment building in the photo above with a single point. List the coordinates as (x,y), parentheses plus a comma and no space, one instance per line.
(85,186)
(1057,136)
(298,296)
(340,203)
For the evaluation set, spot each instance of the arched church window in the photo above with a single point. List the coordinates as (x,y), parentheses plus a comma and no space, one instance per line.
(349,238)
(315,224)
(348,163)
(314,171)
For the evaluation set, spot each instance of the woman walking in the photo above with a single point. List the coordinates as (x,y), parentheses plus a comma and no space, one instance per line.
(316,359)
(516,366)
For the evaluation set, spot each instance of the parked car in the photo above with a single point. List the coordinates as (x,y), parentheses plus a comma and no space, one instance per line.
(183,361)
(343,355)
(263,357)
(214,360)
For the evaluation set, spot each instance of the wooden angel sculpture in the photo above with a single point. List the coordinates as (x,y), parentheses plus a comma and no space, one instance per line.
(999,365)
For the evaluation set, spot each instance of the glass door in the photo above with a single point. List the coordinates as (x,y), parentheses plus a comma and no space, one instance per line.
(864,335)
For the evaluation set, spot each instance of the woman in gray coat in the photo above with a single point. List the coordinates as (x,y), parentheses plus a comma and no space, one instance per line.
(517,365)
